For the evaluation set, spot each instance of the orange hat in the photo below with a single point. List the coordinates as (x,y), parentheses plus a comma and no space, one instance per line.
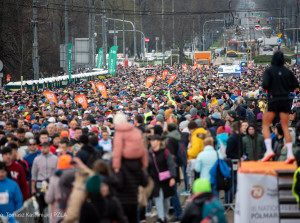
(73,122)
(64,134)
(28,117)
(64,162)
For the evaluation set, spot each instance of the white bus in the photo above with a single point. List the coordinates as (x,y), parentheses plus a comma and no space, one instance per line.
(228,71)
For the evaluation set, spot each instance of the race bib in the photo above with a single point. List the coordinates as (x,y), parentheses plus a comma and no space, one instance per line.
(4,197)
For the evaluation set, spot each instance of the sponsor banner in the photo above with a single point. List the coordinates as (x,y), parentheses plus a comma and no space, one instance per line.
(256,199)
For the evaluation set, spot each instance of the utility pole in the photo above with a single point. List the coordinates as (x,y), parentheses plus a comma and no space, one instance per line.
(90,37)
(142,44)
(104,34)
(134,36)
(115,42)
(225,41)
(173,25)
(93,33)
(66,37)
(35,56)
(163,31)
(124,52)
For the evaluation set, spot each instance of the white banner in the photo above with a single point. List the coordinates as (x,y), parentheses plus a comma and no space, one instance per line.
(256,199)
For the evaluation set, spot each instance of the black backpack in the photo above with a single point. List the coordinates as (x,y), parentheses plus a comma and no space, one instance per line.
(182,153)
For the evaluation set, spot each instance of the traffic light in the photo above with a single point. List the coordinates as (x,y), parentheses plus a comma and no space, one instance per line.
(268,21)
(248,51)
(258,21)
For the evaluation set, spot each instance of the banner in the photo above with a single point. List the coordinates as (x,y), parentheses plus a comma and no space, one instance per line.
(100,58)
(50,96)
(172,78)
(101,87)
(94,87)
(149,81)
(256,199)
(112,60)
(69,61)
(81,99)
(164,74)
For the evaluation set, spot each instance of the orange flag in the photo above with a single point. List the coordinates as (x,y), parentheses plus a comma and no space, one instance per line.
(164,74)
(81,99)
(94,87)
(172,78)
(149,81)
(101,87)
(184,67)
(50,96)
(194,67)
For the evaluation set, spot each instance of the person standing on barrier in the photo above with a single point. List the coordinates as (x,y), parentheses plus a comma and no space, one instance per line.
(279,82)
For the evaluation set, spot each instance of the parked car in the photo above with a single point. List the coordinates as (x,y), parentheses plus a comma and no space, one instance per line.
(267,48)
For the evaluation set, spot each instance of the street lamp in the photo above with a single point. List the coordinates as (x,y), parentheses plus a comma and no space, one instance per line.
(215,20)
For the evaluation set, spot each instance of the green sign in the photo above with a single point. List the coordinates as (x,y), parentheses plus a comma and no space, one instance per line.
(100,58)
(112,60)
(69,61)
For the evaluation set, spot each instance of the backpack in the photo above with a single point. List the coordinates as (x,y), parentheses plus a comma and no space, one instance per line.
(95,155)
(213,211)
(182,154)
(223,183)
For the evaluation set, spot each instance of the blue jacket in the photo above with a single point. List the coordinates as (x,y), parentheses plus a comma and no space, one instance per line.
(224,138)
(15,199)
(205,161)
(225,170)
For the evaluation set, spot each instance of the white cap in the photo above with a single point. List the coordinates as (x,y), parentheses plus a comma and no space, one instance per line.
(51,119)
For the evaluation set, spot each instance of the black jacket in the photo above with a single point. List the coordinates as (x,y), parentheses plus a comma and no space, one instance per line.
(279,81)
(232,149)
(164,162)
(193,210)
(130,177)
(101,210)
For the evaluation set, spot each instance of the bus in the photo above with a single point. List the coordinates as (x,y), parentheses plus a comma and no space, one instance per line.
(229,71)
(232,48)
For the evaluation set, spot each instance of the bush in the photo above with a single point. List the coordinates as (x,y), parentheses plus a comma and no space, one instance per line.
(263,59)
(184,60)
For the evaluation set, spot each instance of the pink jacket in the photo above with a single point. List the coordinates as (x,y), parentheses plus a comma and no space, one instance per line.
(128,143)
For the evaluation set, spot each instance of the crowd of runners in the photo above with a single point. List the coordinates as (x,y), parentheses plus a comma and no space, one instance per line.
(124,158)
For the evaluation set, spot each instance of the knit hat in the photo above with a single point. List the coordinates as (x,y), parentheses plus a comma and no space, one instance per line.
(232,114)
(95,129)
(183,124)
(215,116)
(64,162)
(188,117)
(193,111)
(64,134)
(201,186)
(35,127)
(220,102)
(221,130)
(159,118)
(198,122)
(93,184)
(227,129)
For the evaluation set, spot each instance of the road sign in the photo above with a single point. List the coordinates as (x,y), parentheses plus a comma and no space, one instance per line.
(279,41)
(271,18)
(274,32)
(257,26)
(279,35)
(147,40)
(112,31)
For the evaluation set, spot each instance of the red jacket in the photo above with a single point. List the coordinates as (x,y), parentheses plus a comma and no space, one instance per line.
(18,175)
(128,143)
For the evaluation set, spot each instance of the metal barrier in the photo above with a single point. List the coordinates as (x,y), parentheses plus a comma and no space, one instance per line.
(230,205)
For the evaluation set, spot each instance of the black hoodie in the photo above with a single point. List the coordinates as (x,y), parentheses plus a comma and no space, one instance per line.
(279,80)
